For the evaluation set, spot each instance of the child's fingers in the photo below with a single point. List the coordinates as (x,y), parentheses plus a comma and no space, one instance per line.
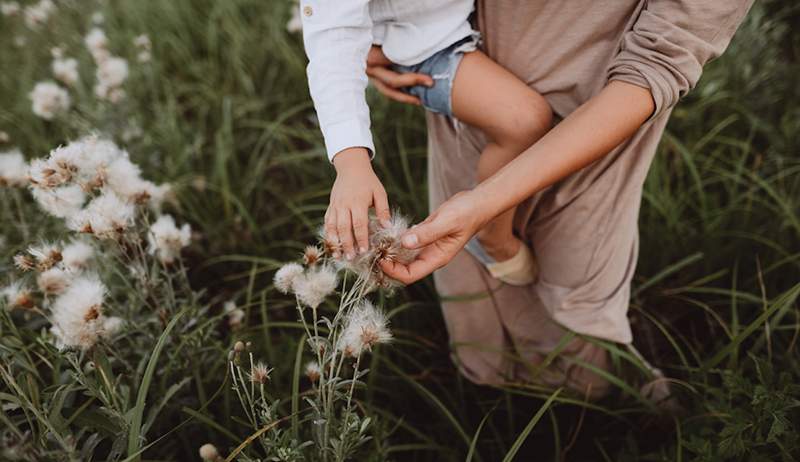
(331,234)
(381,204)
(359,216)
(396,95)
(345,229)
(398,80)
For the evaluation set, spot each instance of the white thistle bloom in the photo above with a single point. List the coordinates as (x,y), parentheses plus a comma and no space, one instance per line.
(97,43)
(4,137)
(46,255)
(98,18)
(66,70)
(53,281)
(295,23)
(166,240)
(111,74)
(38,14)
(314,285)
(78,320)
(61,202)
(209,453)
(313,371)
(106,216)
(17,296)
(76,255)
(260,373)
(365,327)
(9,8)
(49,100)
(13,169)
(57,52)
(235,315)
(285,276)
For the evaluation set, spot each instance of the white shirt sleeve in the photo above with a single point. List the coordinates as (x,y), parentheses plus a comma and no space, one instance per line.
(337,36)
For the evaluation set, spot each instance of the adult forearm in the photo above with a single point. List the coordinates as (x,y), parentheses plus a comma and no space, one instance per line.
(589,133)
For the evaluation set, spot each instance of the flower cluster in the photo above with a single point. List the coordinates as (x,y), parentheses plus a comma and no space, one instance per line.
(384,244)
(38,13)
(112,71)
(63,182)
(144,48)
(65,69)
(49,100)
(13,169)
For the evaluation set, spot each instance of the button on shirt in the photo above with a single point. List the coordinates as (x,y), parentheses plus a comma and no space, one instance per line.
(338,35)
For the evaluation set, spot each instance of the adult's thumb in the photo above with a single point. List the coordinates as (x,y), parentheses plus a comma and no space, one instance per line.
(423,234)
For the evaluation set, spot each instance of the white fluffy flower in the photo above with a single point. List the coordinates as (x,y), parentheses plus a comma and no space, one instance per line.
(106,216)
(112,72)
(4,137)
(49,100)
(142,42)
(76,255)
(365,327)
(235,315)
(38,13)
(13,169)
(97,43)
(17,296)
(208,452)
(166,240)
(313,371)
(78,320)
(295,23)
(314,285)
(61,202)
(285,276)
(9,8)
(66,70)
(54,281)
(98,18)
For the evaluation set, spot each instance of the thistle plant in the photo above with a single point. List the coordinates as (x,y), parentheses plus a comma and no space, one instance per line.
(338,341)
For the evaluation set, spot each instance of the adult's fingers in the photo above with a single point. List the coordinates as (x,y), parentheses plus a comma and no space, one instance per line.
(435,227)
(398,80)
(344,228)
(331,233)
(381,204)
(396,95)
(428,261)
(359,217)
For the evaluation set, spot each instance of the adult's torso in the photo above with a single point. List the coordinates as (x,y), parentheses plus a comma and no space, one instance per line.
(560,48)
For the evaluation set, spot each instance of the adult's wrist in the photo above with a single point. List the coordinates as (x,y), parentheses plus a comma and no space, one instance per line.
(352,158)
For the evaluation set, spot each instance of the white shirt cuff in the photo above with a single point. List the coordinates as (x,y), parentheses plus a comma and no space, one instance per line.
(348,134)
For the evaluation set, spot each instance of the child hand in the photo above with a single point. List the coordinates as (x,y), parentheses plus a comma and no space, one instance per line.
(355,190)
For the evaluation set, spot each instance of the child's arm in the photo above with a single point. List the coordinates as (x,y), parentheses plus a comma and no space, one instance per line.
(338,37)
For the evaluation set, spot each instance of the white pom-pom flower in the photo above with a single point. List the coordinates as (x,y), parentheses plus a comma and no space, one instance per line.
(77,315)
(13,169)
(285,276)
(313,286)
(166,240)
(49,100)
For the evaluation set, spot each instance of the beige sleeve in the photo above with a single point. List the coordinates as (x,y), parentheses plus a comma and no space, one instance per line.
(670,43)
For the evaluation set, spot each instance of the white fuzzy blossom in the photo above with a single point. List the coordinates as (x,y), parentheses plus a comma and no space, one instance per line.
(38,13)
(49,100)
(77,315)
(97,43)
(313,286)
(13,169)
(16,295)
(54,281)
(166,240)
(98,18)
(4,137)
(66,70)
(106,216)
(76,255)
(365,327)
(61,202)
(111,74)
(9,8)
(285,276)
(145,46)
(313,371)
(235,314)
(295,23)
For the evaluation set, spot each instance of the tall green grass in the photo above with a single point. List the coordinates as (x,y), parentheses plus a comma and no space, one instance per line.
(226,116)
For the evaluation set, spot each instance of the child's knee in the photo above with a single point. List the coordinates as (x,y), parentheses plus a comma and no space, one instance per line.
(528,122)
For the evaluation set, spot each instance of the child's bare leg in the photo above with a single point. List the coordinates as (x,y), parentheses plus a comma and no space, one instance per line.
(513,116)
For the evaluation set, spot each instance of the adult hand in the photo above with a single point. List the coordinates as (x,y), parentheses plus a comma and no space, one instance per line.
(389,82)
(441,236)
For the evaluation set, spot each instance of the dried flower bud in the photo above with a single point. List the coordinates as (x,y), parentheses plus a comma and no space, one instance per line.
(238,346)
(311,255)
(260,373)
(208,452)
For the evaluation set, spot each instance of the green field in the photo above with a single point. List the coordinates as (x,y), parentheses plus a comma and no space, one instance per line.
(222,113)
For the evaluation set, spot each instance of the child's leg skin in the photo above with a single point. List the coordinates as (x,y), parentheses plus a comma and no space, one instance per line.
(513,117)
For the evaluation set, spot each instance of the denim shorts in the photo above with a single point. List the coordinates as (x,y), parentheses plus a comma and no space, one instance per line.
(442,68)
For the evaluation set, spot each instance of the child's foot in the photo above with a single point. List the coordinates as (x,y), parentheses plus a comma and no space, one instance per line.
(511,261)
